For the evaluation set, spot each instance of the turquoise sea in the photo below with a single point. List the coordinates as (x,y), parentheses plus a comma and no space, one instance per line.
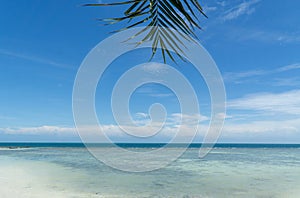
(230,170)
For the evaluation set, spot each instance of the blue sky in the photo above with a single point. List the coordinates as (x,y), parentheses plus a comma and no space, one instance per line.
(255,44)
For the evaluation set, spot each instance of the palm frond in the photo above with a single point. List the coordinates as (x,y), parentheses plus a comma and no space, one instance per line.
(160,16)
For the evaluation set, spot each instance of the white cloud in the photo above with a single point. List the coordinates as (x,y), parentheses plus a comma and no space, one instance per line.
(39,130)
(154,68)
(177,118)
(286,102)
(142,115)
(260,127)
(154,91)
(172,124)
(173,119)
(221,3)
(208,9)
(244,8)
(270,128)
(285,105)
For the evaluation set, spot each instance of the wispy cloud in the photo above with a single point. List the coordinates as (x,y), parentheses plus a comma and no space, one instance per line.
(288,67)
(245,8)
(263,35)
(285,103)
(35,59)
(239,77)
(236,76)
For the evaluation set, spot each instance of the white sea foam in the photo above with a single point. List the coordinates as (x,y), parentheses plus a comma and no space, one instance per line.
(13,148)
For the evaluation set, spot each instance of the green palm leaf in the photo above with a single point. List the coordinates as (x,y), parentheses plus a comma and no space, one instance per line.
(160,16)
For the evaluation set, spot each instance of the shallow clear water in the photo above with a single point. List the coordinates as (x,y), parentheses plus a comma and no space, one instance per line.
(225,172)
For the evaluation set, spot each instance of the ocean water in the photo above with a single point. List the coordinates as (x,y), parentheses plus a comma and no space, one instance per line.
(69,170)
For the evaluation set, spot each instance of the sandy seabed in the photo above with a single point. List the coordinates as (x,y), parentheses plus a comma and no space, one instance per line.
(37,174)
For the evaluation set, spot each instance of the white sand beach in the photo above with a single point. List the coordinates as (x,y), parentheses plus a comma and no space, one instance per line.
(31,179)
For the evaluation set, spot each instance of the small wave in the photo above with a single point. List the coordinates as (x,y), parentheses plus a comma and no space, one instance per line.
(13,148)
